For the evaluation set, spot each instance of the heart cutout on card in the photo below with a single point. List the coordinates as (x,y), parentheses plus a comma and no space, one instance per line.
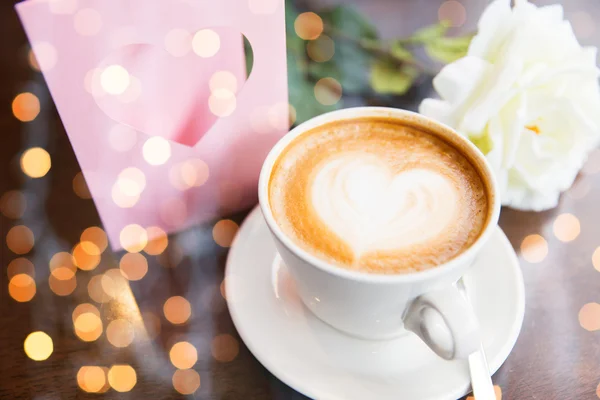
(371,208)
(178,91)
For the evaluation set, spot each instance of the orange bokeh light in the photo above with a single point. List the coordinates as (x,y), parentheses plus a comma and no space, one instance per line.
(122,378)
(13,204)
(225,348)
(21,288)
(35,162)
(308,26)
(19,239)
(157,241)
(183,355)
(177,310)
(186,381)
(26,107)
(224,232)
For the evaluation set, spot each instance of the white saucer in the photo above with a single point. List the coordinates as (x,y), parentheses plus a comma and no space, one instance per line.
(323,363)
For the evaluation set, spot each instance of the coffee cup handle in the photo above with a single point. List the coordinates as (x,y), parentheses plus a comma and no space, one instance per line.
(445,321)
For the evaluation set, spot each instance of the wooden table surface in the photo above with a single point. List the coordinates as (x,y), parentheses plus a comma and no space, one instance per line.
(557,355)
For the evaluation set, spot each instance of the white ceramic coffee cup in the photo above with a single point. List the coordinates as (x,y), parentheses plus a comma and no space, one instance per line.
(377,306)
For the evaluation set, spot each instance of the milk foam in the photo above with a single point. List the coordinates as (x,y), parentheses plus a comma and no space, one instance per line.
(358,197)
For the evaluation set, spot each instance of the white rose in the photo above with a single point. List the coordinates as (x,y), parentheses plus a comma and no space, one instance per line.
(527,95)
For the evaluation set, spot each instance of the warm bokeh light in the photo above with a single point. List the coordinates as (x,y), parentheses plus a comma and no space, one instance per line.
(131,181)
(35,162)
(26,107)
(178,42)
(173,212)
(453,12)
(92,379)
(122,378)
(62,287)
(263,6)
(224,232)
(133,238)
(308,26)
(13,204)
(20,266)
(62,266)
(589,317)
(87,322)
(321,49)
(86,257)
(133,91)
(281,116)
(113,282)
(19,239)
(596,259)
(157,241)
(156,150)
(38,346)
(95,290)
(93,239)
(191,173)
(21,288)
(114,79)
(186,381)
(328,91)
(122,138)
(534,248)
(87,22)
(80,186)
(497,392)
(566,227)
(134,266)
(223,80)
(222,102)
(43,56)
(206,43)
(183,355)
(121,199)
(225,348)
(177,310)
(119,333)
(152,324)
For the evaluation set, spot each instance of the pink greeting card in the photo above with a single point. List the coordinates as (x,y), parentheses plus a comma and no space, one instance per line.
(154,97)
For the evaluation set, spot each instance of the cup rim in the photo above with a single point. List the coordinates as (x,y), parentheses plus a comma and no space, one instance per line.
(360,276)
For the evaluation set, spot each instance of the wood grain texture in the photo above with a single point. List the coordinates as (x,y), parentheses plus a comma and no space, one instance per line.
(554,358)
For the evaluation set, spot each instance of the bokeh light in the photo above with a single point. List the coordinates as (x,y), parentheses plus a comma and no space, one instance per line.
(20,265)
(589,317)
(206,43)
(87,22)
(35,162)
(80,187)
(178,42)
(38,346)
(92,379)
(225,348)
(224,232)
(191,173)
(177,310)
(453,12)
(96,291)
(186,381)
(113,282)
(131,181)
(19,239)
(87,323)
(596,259)
(156,150)
(133,91)
(13,204)
(222,102)
(43,56)
(21,287)
(119,333)
(566,227)
(328,91)
(133,238)
(122,138)
(26,106)
(157,241)
(122,378)
(534,248)
(62,266)
(152,324)
(96,236)
(183,355)
(114,79)
(223,80)
(281,116)
(86,257)
(263,6)
(308,26)
(321,49)
(62,287)
(134,266)
(121,199)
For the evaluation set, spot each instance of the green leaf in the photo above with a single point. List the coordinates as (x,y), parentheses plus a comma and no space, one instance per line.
(430,32)
(294,43)
(448,49)
(400,52)
(388,78)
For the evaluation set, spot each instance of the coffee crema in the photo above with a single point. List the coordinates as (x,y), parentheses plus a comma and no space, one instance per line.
(378,195)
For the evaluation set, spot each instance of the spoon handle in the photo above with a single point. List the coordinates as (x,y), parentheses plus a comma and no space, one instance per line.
(481,381)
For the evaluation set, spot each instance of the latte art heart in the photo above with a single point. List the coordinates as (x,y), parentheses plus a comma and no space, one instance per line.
(370,208)
(377,196)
